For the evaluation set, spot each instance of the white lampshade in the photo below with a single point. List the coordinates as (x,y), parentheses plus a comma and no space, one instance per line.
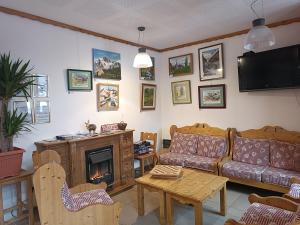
(142,59)
(259,37)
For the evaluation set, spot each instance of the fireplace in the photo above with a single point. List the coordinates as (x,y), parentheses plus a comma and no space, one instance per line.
(99,165)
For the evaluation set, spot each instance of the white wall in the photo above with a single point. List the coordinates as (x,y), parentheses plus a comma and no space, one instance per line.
(244,110)
(52,50)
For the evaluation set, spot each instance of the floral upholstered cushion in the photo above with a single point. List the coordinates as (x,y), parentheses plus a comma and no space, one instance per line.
(184,143)
(172,158)
(261,214)
(295,191)
(200,162)
(279,176)
(253,151)
(75,202)
(243,170)
(211,146)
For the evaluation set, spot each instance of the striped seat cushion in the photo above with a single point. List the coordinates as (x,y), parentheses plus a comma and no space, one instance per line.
(175,159)
(278,176)
(75,202)
(261,214)
(295,191)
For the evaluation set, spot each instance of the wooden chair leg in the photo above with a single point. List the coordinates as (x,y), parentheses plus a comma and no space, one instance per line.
(142,163)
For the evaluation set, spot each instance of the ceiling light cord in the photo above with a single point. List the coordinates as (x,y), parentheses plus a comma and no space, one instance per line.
(252,8)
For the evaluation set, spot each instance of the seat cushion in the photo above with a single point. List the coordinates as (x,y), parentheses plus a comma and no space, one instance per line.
(75,202)
(243,170)
(211,146)
(184,143)
(200,162)
(172,158)
(279,176)
(252,151)
(295,191)
(261,214)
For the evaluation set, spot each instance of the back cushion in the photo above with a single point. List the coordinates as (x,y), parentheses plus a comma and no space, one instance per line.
(251,150)
(211,146)
(184,143)
(284,155)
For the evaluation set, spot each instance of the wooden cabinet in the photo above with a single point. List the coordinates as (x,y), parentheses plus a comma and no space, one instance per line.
(72,154)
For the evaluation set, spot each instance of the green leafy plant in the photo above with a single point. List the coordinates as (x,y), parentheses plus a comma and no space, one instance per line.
(15,78)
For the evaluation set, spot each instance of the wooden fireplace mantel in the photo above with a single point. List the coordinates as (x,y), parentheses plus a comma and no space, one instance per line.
(72,153)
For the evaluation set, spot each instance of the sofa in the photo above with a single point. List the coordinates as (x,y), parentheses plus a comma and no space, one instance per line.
(266,158)
(198,146)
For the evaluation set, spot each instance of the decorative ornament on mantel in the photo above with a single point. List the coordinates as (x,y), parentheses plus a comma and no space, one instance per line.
(260,36)
(142,59)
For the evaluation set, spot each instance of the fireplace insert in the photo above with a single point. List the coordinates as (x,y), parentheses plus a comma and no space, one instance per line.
(99,165)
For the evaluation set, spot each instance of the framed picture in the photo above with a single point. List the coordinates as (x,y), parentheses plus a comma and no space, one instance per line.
(181,65)
(28,89)
(79,80)
(212,96)
(148,73)
(40,86)
(148,97)
(181,92)
(41,111)
(211,62)
(24,107)
(107,97)
(106,65)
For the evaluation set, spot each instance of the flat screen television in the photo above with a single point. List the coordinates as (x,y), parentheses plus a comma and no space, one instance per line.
(274,69)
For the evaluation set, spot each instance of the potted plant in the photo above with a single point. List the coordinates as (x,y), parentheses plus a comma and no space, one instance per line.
(15,79)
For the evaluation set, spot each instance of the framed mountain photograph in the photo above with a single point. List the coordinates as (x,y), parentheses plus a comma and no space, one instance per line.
(181,65)
(211,62)
(106,65)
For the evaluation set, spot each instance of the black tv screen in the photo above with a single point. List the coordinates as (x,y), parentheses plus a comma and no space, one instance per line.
(274,69)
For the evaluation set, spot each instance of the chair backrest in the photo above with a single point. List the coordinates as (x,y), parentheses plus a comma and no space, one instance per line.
(48,181)
(44,157)
(146,136)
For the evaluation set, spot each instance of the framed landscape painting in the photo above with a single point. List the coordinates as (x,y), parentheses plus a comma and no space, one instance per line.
(181,65)
(106,65)
(211,62)
(212,96)
(148,98)
(181,92)
(148,73)
(79,80)
(107,97)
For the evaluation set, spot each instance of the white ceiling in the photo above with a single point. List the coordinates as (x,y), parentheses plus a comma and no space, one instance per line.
(167,22)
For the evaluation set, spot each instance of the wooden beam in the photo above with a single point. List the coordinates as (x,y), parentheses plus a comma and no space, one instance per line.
(69,27)
(215,38)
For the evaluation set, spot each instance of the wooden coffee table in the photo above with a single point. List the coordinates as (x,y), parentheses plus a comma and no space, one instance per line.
(193,187)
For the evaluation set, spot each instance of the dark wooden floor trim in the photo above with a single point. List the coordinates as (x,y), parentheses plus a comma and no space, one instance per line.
(85,31)
(70,27)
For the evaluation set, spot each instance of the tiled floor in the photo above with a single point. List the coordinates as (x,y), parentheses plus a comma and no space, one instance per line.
(237,202)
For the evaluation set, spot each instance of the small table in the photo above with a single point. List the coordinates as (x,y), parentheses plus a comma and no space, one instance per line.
(23,176)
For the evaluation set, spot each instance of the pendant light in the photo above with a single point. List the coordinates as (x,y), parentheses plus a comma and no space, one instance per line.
(260,36)
(142,59)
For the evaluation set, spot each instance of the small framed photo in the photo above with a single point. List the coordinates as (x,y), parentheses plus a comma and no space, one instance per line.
(181,65)
(212,96)
(148,97)
(148,73)
(80,80)
(28,89)
(24,107)
(40,86)
(181,92)
(107,97)
(211,62)
(41,111)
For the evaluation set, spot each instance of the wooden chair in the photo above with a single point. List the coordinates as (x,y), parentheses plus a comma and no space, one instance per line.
(294,193)
(44,157)
(145,136)
(49,181)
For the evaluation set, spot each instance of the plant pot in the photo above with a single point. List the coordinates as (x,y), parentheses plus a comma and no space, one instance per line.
(10,162)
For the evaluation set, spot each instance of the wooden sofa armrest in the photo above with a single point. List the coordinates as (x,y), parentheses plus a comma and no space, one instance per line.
(295,180)
(296,200)
(163,151)
(222,162)
(87,187)
(274,201)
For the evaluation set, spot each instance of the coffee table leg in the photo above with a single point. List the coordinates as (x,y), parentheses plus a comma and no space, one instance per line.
(140,193)
(169,207)
(162,207)
(223,201)
(198,213)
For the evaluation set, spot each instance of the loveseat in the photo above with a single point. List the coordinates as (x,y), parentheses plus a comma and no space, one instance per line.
(198,146)
(266,158)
